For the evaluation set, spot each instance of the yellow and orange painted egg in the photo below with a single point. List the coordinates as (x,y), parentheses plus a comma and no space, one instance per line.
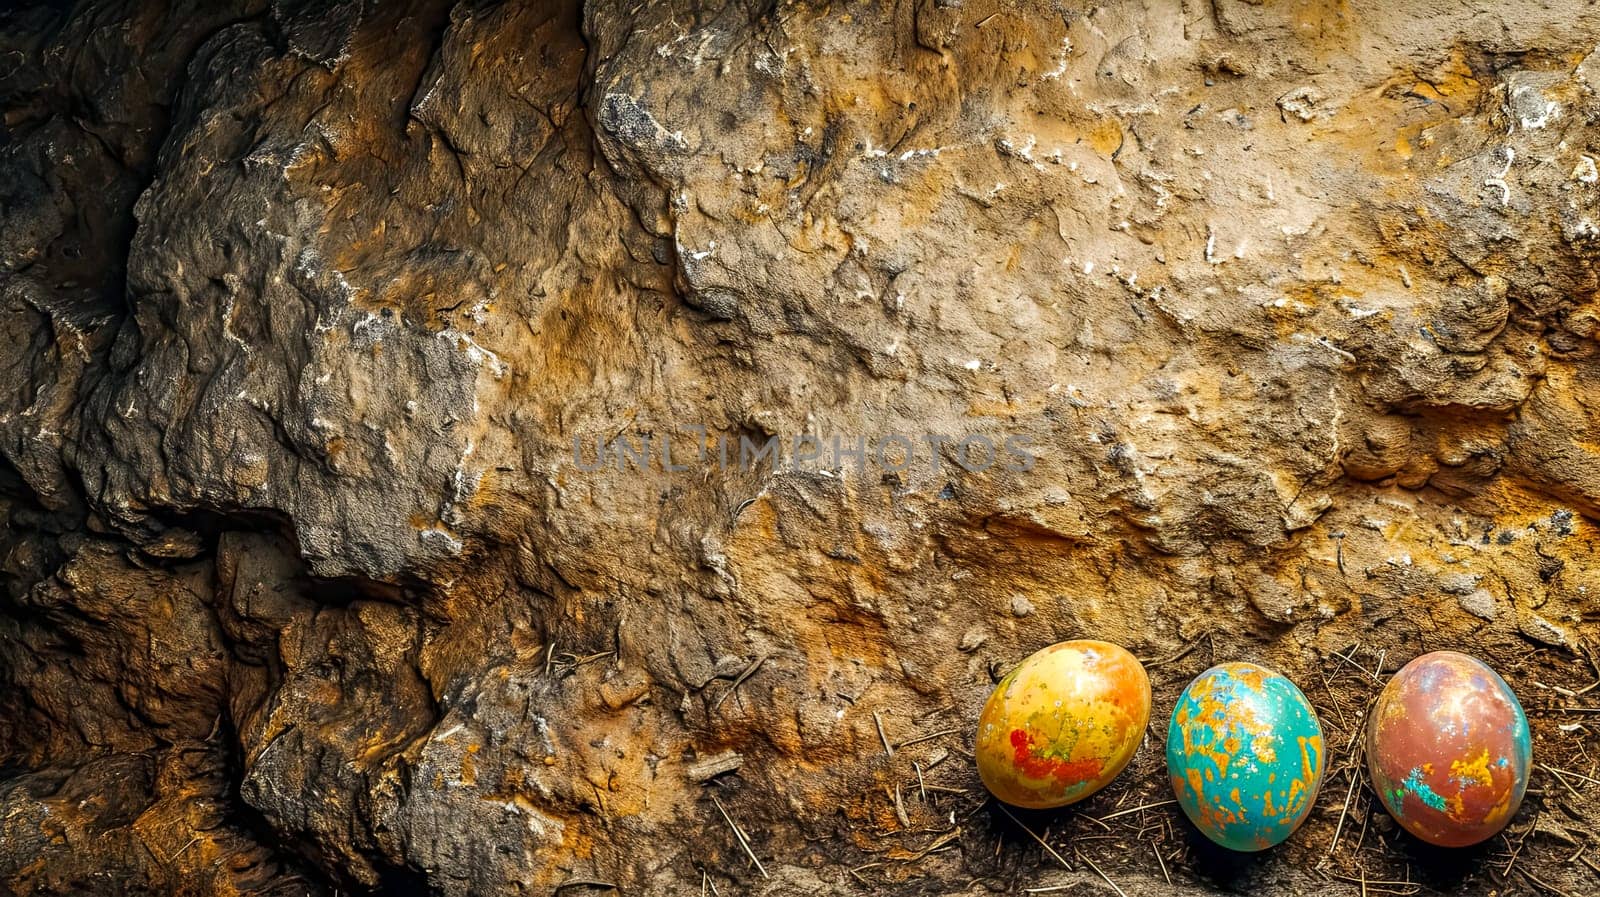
(1449,749)
(1062,724)
(1245,755)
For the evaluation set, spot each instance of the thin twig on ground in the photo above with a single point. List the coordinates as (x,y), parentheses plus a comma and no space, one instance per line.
(738,834)
(1120,892)
(1051,850)
(739,680)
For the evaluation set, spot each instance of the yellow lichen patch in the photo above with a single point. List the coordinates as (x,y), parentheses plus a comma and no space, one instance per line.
(826,592)
(1106,137)
(1386,128)
(1402,142)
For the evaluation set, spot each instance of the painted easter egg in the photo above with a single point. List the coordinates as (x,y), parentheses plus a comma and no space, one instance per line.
(1245,755)
(1448,749)
(1062,724)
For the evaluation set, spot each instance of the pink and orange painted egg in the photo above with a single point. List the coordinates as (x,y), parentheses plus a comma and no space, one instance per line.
(1448,749)
(1062,724)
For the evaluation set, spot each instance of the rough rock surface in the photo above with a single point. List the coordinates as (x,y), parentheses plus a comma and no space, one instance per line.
(305,306)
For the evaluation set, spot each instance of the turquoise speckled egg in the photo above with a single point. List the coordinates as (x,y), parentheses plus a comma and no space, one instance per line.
(1245,755)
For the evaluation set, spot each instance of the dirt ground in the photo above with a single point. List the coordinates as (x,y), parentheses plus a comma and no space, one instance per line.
(1133,839)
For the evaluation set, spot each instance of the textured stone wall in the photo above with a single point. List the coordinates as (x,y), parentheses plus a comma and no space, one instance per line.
(304,305)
